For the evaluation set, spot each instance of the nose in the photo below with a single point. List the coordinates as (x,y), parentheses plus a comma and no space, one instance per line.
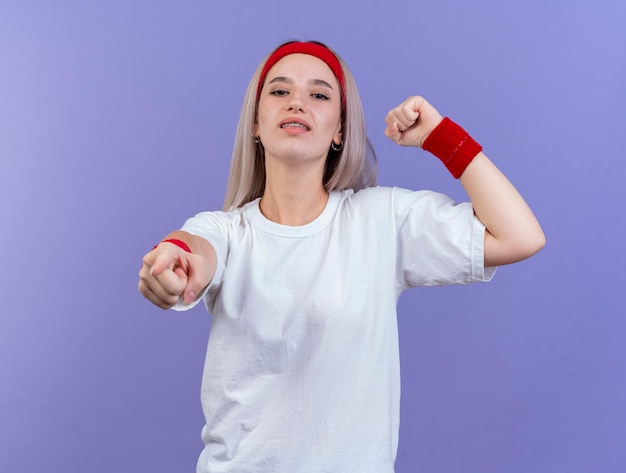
(296,103)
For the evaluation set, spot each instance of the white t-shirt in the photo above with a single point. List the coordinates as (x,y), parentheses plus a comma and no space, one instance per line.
(302,371)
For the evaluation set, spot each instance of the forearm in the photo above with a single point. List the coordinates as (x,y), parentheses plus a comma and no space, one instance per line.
(512,231)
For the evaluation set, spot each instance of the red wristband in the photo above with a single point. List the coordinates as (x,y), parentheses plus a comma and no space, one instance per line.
(178,243)
(453,145)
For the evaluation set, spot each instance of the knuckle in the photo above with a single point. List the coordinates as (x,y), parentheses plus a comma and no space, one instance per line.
(169,302)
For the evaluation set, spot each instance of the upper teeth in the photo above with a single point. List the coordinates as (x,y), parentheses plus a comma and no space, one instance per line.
(293,124)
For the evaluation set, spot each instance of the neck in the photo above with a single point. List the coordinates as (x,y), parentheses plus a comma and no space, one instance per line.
(293,196)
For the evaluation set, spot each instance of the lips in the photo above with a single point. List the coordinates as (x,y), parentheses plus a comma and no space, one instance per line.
(295,123)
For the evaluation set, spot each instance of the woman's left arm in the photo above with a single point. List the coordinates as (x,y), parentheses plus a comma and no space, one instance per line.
(512,231)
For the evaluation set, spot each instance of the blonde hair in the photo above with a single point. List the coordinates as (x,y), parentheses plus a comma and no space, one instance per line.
(353,167)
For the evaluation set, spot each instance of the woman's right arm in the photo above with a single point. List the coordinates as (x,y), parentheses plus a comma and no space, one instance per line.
(169,273)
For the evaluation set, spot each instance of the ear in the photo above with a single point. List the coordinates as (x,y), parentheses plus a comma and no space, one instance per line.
(338,137)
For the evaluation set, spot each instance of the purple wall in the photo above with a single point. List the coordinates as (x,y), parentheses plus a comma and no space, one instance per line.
(116,123)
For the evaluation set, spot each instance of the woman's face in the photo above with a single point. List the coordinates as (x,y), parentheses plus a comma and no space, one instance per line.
(299,110)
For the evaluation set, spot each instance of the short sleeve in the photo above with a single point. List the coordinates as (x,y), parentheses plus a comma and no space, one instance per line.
(439,242)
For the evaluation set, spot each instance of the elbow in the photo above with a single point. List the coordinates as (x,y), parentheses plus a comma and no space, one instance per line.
(535,243)
(542,241)
(530,245)
(499,253)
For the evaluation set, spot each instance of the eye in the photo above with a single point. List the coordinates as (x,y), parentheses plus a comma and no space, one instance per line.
(279,92)
(320,96)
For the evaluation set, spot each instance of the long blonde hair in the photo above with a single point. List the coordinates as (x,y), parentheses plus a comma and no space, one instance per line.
(353,167)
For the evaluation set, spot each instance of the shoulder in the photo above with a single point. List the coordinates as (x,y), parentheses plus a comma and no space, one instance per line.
(210,224)
(396,197)
(399,205)
(369,206)
(369,195)
(215,218)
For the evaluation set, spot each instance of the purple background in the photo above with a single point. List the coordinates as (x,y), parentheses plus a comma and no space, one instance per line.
(116,123)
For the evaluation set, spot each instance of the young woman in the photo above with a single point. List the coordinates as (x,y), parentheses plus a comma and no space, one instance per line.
(303,268)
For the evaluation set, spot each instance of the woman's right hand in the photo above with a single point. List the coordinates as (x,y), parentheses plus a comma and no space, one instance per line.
(168,274)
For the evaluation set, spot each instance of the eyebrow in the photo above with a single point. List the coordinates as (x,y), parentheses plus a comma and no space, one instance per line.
(287,80)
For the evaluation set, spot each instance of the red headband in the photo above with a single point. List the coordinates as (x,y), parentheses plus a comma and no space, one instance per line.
(312,49)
